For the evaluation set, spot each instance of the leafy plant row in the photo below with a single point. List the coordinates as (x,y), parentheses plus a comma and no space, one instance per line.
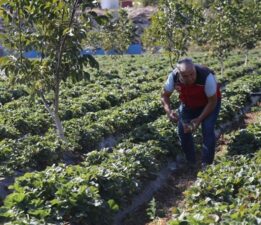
(109,178)
(229,191)
(85,134)
(77,107)
(130,67)
(131,70)
(237,94)
(101,185)
(245,141)
(8,96)
(18,121)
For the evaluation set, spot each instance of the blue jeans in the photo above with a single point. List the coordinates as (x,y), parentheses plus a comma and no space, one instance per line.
(208,132)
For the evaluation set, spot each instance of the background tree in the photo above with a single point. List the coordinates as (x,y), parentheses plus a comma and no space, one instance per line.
(217,33)
(117,33)
(54,28)
(172,28)
(248,25)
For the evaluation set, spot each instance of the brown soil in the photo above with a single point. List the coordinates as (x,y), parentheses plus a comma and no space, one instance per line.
(253,117)
(169,196)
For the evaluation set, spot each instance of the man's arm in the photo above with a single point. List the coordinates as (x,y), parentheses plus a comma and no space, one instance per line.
(165,100)
(211,93)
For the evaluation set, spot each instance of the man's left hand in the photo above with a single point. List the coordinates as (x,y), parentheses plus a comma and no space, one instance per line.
(194,124)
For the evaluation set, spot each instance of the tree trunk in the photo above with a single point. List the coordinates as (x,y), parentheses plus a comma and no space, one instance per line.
(58,123)
(55,117)
(59,127)
(57,76)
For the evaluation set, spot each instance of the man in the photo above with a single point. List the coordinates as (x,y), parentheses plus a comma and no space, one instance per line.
(200,104)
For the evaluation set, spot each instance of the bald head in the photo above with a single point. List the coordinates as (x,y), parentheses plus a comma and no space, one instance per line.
(185,65)
(187,71)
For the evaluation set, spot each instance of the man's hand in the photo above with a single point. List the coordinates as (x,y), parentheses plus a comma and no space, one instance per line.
(192,126)
(173,117)
(195,123)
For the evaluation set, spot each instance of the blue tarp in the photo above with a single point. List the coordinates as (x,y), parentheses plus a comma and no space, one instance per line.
(99,51)
(86,52)
(134,49)
(32,54)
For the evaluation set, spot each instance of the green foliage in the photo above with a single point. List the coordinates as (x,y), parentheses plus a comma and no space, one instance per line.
(172,27)
(227,193)
(115,34)
(41,26)
(108,111)
(152,209)
(54,29)
(30,152)
(93,191)
(246,140)
(71,194)
(219,29)
(248,31)
(85,194)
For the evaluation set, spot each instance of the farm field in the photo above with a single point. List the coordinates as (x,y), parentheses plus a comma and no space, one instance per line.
(211,197)
(117,140)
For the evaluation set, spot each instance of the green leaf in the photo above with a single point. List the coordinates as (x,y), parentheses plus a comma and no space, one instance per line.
(113,205)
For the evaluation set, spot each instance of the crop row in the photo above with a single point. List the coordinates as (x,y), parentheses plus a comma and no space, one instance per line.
(18,121)
(86,133)
(111,178)
(91,193)
(131,72)
(229,191)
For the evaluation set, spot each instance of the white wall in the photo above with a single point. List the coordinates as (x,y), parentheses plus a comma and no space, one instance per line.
(109,4)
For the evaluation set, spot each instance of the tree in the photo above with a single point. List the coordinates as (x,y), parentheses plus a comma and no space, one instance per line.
(117,33)
(248,26)
(172,27)
(217,33)
(55,29)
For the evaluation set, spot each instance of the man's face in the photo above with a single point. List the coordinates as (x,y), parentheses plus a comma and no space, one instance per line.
(188,76)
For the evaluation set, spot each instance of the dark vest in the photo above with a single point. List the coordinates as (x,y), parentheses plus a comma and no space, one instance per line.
(194,96)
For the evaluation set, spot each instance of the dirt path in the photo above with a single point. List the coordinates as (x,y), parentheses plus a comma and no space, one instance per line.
(170,195)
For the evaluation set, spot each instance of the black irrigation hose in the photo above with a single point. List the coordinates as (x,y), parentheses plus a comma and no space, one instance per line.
(255,94)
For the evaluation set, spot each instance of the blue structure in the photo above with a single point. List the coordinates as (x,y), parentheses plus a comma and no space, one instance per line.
(99,51)
(87,52)
(32,54)
(134,49)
